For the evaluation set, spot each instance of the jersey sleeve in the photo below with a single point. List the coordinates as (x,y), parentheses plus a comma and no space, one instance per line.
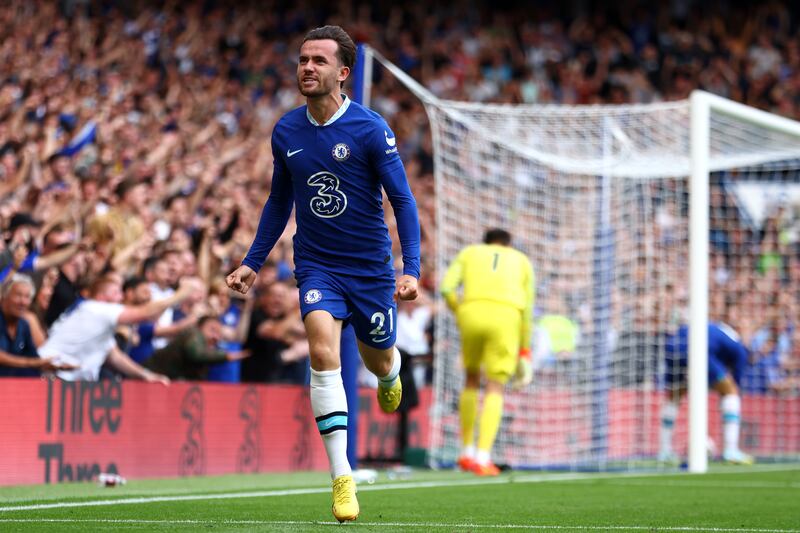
(529,287)
(452,279)
(275,214)
(382,147)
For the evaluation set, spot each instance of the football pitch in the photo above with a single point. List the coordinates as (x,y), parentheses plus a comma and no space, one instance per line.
(762,498)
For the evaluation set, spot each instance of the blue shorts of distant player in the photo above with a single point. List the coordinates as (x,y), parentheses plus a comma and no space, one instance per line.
(726,355)
(366,303)
(677,368)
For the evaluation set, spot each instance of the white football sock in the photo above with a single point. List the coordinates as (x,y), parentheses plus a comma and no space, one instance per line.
(468,451)
(731,406)
(329,404)
(389,379)
(483,457)
(669,412)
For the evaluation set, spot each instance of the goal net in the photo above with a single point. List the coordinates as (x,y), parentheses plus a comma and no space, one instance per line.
(598,198)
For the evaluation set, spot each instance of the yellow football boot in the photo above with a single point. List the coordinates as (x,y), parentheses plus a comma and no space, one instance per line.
(345,503)
(389,397)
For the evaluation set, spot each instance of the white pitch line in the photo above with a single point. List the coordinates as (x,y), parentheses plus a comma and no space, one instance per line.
(516,478)
(426,525)
(710,484)
(315,490)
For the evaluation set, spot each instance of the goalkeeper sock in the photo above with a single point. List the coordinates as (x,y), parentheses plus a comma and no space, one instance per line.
(468,408)
(490,423)
(468,451)
(669,412)
(390,379)
(329,404)
(731,406)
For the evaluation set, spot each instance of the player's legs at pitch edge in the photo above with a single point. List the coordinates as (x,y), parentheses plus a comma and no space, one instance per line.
(329,405)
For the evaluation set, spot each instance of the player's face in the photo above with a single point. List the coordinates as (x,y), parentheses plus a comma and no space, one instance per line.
(318,70)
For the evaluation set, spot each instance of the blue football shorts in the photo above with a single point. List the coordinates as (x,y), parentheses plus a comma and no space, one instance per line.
(366,303)
(678,367)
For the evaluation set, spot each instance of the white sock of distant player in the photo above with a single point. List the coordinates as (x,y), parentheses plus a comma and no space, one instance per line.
(669,412)
(389,379)
(468,451)
(731,406)
(329,404)
(483,457)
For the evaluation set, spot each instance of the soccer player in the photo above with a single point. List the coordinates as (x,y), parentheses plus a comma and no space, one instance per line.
(494,319)
(331,158)
(727,358)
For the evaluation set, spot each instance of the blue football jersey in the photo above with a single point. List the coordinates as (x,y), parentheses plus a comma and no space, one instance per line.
(333,175)
(726,353)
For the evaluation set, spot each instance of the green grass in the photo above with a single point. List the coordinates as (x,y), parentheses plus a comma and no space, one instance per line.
(727,499)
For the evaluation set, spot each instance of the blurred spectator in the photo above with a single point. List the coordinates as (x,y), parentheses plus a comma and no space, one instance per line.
(136,339)
(158,272)
(556,335)
(235,321)
(66,290)
(18,356)
(22,245)
(763,372)
(276,339)
(189,355)
(85,335)
(122,224)
(413,325)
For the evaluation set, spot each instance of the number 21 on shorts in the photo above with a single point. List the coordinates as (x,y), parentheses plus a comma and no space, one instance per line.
(378,320)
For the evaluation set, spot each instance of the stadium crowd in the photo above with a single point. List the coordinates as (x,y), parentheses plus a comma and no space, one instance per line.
(134,141)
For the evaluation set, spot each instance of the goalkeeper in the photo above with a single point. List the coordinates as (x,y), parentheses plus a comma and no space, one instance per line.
(494,319)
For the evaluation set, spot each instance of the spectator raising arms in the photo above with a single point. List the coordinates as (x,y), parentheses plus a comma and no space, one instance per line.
(189,355)
(84,334)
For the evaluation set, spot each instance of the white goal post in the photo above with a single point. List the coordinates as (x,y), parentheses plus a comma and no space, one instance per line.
(600,192)
(702,105)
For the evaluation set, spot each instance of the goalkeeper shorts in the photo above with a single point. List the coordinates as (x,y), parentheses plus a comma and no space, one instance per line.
(490,338)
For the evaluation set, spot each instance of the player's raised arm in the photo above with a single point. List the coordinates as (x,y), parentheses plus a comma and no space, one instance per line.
(524,372)
(452,279)
(529,285)
(273,221)
(383,148)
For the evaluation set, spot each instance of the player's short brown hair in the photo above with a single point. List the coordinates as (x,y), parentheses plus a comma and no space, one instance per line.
(346,50)
(497,236)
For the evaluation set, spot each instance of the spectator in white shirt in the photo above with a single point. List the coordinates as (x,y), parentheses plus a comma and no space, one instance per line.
(84,334)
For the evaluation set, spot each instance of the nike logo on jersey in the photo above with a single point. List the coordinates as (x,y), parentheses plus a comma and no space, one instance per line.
(379,340)
(389,140)
(290,153)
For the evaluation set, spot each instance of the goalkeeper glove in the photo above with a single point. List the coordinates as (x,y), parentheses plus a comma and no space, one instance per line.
(524,373)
